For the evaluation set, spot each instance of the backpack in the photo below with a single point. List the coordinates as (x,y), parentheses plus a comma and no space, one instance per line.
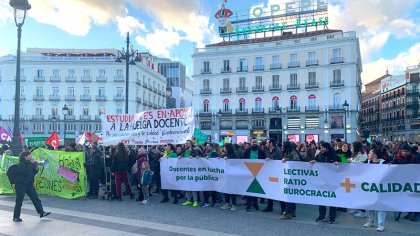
(134,169)
(11,173)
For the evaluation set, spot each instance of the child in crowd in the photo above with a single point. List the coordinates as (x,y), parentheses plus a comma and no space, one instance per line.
(146,180)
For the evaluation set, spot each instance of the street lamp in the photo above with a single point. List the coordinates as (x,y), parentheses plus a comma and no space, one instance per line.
(219,115)
(65,112)
(20,8)
(278,109)
(346,107)
(130,59)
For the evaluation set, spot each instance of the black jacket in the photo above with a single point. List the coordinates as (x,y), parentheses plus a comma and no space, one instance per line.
(275,154)
(25,172)
(261,154)
(327,157)
(93,163)
(118,164)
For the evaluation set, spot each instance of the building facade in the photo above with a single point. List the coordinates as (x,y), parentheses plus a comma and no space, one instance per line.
(413,103)
(88,82)
(289,86)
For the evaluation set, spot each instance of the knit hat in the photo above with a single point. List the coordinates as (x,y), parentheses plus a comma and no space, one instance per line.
(405,147)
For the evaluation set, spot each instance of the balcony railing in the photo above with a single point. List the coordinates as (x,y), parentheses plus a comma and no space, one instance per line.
(138,99)
(225,70)
(242,89)
(293,86)
(293,109)
(118,98)
(242,112)
(22,78)
(70,117)
(97,117)
(86,79)
(54,97)
(336,60)
(22,97)
(38,117)
(274,110)
(335,107)
(258,67)
(39,79)
(38,97)
(225,90)
(206,71)
(258,89)
(293,64)
(337,83)
(275,87)
(101,78)
(226,127)
(70,79)
(275,66)
(118,78)
(85,117)
(205,127)
(57,117)
(55,79)
(311,62)
(138,82)
(205,91)
(225,111)
(144,84)
(242,126)
(85,97)
(101,98)
(70,98)
(311,85)
(203,112)
(258,126)
(312,108)
(257,110)
(242,69)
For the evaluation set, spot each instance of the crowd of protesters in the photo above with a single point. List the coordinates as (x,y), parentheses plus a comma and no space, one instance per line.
(139,167)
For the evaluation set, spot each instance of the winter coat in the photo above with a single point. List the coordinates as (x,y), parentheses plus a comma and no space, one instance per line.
(359,158)
(399,159)
(146,177)
(118,164)
(327,157)
(93,163)
(275,154)
(25,172)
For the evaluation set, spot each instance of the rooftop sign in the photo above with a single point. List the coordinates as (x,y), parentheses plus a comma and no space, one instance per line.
(288,15)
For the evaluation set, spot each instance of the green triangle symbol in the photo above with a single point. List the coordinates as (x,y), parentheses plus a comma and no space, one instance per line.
(255,187)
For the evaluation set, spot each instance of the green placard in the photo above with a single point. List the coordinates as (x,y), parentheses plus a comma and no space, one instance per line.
(200,136)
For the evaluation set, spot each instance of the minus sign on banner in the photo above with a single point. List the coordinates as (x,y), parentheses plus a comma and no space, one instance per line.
(273,179)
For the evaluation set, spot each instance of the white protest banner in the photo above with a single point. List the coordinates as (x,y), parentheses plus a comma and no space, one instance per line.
(155,127)
(357,186)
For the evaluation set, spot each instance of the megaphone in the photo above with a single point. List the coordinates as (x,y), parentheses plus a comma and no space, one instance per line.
(45,163)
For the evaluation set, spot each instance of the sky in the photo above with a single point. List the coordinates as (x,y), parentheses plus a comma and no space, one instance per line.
(388,30)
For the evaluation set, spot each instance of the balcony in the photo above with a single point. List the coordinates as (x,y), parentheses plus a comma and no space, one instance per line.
(242,112)
(101,78)
(293,86)
(39,79)
(138,99)
(274,110)
(97,117)
(226,127)
(55,79)
(154,89)
(242,127)
(258,89)
(118,98)
(86,79)
(144,84)
(312,108)
(38,131)
(242,69)
(225,70)
(118,78)
(275,66)
(38,117)
(225,90)
(70,79)
(241,89)
(57,117)
(85,97)
(335,107)
(204,72)
(70,98)
(258,110)
(258,67)
(293,109)
(54,97)
(205,127)
(70,117)
(22,78)
(205,91)
(312,85)
(204,112)
(225,111)
(149,87)
(293,64)
(336,60)
(85,117)
(38,97)
(258,126)
(101,98)
(275,87)
(337,83)
(138,82)
(311,62)
(22,97)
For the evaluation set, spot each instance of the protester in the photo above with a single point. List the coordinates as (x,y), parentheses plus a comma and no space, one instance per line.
(230,199)
(119,168)
(94,167)
(274,153)
(170,152)
(146,180)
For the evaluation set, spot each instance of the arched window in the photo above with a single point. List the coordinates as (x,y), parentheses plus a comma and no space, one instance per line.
(293,102)
(337,100)
(226,104)
(275,103)
(312,100)
(242,104)
(206,105)
(258,104)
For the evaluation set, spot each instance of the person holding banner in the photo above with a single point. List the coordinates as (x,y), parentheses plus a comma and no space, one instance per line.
(189,152)
(93,171)
(170,152)
(230,199)
(24,177)
(119,168)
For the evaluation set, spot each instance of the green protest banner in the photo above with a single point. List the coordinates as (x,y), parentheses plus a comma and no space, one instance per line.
(200,136)
(63,175)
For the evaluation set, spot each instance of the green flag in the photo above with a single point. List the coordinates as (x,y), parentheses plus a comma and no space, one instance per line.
(200,136)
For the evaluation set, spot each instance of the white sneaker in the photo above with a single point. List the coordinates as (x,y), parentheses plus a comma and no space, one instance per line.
(225,207)
(233,208)
(360,214)
(144,202)
(380,228)
(369,224)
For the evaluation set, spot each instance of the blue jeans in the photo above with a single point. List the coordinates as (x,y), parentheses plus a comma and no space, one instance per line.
(290,208)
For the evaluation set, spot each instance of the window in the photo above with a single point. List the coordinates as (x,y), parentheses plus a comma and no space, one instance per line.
(337,53)
(39,127)
(56,73)
(312,100)
(258,104)
(275,103)
(226,66)
(85,91)
(120,92)
(312,78)
(293,102)
(119,110)
(70,91)
(102,72)
(337,100)
(101,91)
(337,76)
(101,111)
(39,91)
(119,72)
(55,91)
(276,81)
(225,84)
(243,65)
(206,67)
(226,104)
(293,57)
(258,61)
(242,82)
(293,80)
(38,111)
(86,73)
(40,73)
(206,105)
(276,59)
(206,84)
(70,112)
(71,72)
(22,72)
(258,81)
(85,110)
(311,56)
(22,91)
(242,104)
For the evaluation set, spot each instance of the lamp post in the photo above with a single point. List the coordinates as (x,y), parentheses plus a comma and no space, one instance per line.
(346,107)
(219,115)
(20,8)
(65,112)
(278,123)
(130,59)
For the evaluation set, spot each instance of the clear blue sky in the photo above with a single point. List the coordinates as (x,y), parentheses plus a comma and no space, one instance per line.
(388,29)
